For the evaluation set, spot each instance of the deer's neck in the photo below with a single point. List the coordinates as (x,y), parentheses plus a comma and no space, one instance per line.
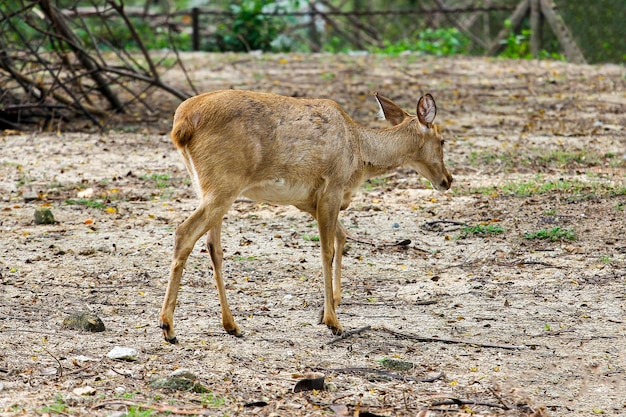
(383,149)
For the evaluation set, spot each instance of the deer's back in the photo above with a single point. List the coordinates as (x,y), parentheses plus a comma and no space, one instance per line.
(256,137)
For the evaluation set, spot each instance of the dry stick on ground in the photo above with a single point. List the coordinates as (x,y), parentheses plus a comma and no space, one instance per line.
(456,401)
(431,226)
(450,341)
(347,334)
(404,242)
(386,374)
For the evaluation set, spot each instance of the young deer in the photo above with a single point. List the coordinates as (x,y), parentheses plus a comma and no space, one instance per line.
(304,152)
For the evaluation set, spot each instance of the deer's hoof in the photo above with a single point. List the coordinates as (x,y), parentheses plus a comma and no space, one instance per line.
(337,330)
(234,330)
(173,340)
(166,334)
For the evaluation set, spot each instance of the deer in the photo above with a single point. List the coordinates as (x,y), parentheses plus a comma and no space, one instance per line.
(283,150)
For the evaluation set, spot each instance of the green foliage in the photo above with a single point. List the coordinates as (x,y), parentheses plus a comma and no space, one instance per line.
(160,180)
(480,230)
(58,407)
(86,202)
(518,46)
(251,29)
(439,42)
(554,234)
(136,411)
(539,185)
(210,400)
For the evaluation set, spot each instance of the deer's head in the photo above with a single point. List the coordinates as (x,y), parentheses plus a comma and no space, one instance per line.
(425,155)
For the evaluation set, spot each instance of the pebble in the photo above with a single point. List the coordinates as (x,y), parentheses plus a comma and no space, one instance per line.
(85,321)
(87,390)
(43,215)
(183,373)
(123,353)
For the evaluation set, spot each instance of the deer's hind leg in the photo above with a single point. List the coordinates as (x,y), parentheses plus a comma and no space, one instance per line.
(214,245)
(340,241)
(207,216)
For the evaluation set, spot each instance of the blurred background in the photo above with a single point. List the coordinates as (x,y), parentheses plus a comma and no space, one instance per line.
(68,55)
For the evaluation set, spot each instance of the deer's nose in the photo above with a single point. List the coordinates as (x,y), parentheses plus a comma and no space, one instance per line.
(446,183)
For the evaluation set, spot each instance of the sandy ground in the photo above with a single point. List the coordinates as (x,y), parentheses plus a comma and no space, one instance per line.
(501,324)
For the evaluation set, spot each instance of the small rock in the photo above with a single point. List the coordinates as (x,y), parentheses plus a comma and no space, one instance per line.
(395,225)
(179,384)
(183,373)
(49,371)
(86,321)
(30,196)
(314,381)
(397,365)
(123,353)
(84,390)
(43,215)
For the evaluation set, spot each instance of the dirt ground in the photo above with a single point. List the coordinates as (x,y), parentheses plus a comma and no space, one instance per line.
(499,320)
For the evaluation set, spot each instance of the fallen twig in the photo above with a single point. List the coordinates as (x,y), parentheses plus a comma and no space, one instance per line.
(456,401)
(450,341)
(434,225)
(347,334)
(386,374)
(157,407)
(404,242)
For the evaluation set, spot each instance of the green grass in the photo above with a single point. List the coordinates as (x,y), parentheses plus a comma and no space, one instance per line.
(160,180)
(87,203)
(311,238)
(374,183)
(136,411)
(556,158)
(244,258)
(480,230)
(210,400)
(58,407)
(555,234)
(539,185)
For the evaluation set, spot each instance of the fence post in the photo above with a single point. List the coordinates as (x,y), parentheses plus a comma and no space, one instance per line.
(195,29)
(536,35)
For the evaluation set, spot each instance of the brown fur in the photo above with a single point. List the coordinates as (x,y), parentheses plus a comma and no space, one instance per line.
(304,152)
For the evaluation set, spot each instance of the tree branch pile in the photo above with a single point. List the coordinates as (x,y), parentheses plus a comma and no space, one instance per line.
(55,70)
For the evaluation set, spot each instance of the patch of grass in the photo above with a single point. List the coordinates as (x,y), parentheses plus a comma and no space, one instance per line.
(311,238)
(480,230)
(539,185)
(374,183)
(554,234)
(564,158)
(244,258)
(86,202)
(135,411)
(620,206)
(58,407)
(160,180)
(210,400)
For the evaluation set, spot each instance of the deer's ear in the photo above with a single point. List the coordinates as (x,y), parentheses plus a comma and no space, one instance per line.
(390,110)
(426,110)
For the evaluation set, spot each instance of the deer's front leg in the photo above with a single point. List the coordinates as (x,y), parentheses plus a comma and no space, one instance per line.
(327,212)
(186,236)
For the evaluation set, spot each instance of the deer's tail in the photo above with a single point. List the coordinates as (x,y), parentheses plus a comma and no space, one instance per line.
(183,130)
